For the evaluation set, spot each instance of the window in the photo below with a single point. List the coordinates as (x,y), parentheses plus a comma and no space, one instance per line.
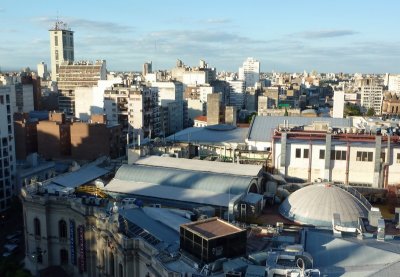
(364,156)
(112,264)
(62,229)
(56,40)
(398,158)
(305,153)
(322,154)
(63,257)
(338,155)
(56,52)
(298,153)
(36,226)
(383,157)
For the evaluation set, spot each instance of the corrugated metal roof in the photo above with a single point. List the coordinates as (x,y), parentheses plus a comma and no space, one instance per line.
(205,135)
(80,177)
(263,126)
(201,165)
(157,229)
(166,217)
(170,193)
(185,179)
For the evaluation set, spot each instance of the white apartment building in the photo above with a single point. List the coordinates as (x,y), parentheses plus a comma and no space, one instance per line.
(61,47)
(237,93)
(135,108)
(250,72)
(42,70)
(338,104)
(394,83)
(372,96)
(7,149)
(170,101)
(90,100)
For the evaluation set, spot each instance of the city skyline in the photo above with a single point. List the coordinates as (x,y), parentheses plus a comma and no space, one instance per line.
(309,35)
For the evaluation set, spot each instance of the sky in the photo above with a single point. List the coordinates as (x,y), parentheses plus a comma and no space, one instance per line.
(285,36)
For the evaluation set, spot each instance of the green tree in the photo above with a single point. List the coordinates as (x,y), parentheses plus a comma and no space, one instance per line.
(351,110)
(370,112)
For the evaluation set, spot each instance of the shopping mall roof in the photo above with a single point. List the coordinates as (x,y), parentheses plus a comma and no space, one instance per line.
(263,127)
(316,204)
(191,181)
(80,177)
(201,165)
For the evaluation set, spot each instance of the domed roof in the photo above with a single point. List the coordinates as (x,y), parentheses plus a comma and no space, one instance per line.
(316,204)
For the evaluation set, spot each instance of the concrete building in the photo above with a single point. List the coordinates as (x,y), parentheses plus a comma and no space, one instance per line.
(95,139)
(72,75)
(90,100)
(250,72)
(371,95)
(54,137)
(61,47)
(7,146)
(170,102)
(394,83)
(237,93)
(196,98)
(136,109)
(338,104)
(147,68)
(215,109)
(349,157)
(42,70)
(25,130)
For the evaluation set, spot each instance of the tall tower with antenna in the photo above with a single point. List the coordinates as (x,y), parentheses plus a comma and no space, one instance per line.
(61,46)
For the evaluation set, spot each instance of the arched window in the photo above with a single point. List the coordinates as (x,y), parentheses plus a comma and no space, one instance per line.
(62,229)
(63,257)
(121,270)
(36,226)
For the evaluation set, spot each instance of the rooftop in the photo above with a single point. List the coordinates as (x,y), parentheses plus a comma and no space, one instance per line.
(212,228)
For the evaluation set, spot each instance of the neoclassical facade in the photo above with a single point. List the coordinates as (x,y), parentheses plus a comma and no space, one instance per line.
(391,103)
(85,239)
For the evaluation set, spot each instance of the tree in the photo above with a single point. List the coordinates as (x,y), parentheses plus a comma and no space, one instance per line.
(351,110)
(370,112)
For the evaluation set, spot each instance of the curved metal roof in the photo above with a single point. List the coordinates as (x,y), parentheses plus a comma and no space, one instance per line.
(186,179)
(316,204)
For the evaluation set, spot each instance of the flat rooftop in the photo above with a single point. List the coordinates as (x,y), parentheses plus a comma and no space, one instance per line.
(212,228)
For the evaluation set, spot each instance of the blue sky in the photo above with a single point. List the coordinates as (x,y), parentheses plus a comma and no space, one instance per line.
(327,36)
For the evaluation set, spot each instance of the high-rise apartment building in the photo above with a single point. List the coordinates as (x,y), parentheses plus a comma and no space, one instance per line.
(78,74)
(237,93)
(7,149)
(42,70)
(135,108)
(250,72)
(394,83)
(61,47)
(371,95)
(147,68)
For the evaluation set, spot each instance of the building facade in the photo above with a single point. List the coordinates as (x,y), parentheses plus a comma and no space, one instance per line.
(7,149)
(371,95)
(72,75)
(250,72)
(61,47)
